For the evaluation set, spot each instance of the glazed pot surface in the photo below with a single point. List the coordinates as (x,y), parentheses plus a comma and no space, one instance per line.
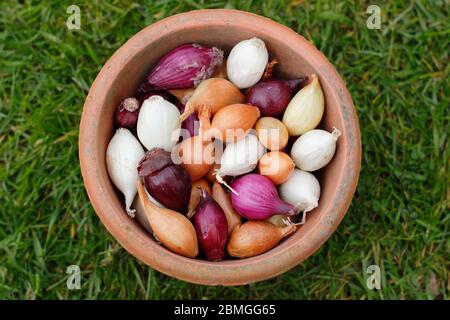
(120,77)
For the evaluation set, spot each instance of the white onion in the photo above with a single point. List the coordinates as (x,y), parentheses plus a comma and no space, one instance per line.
(302,190)
(158,125)
(246,62)
(241,156)
(122,157)
(314,149)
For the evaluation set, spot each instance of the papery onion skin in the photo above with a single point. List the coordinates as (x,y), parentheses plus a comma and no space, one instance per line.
(122,156)
(183,67)
(168,183)
(273,96)
(211,226)
(257,198)
(127,114)
(314,149)
(240,157)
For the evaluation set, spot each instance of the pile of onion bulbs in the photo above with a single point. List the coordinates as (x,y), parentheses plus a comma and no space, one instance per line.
(214,155)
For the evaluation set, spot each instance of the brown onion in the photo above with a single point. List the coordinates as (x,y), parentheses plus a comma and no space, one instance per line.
(195,156)
(215,93)
(255,237)
(171,228)
(277,166)
(231,123)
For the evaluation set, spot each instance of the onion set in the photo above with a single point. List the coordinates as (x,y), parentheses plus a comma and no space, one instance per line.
(301,190)
(122,157)
(195,156)
(272,133)
(215,156)
(272,96)
(127,113)
(183,67)
(239,158)
(314,149)
(158,125)
(256,198)
(228,127)
(211,226)
(256,237)
(247,62)
(277,166)
(215,93)
(171,228)
(165,181)
(305,110)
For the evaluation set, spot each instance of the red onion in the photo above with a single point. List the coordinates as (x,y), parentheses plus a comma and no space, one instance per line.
(183,67)
(211,226)
(191,123)
(273,96)
(126,114)
(168,183)
(257,198)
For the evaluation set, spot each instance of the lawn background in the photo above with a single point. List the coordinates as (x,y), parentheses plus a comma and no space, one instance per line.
(399,218)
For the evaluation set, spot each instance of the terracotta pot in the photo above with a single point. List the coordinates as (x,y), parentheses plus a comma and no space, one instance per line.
(119,79)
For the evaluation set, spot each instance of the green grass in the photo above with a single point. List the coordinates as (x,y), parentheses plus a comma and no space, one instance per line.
(399,218)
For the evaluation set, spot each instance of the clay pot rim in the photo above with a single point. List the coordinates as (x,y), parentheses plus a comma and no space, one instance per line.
(229,272)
